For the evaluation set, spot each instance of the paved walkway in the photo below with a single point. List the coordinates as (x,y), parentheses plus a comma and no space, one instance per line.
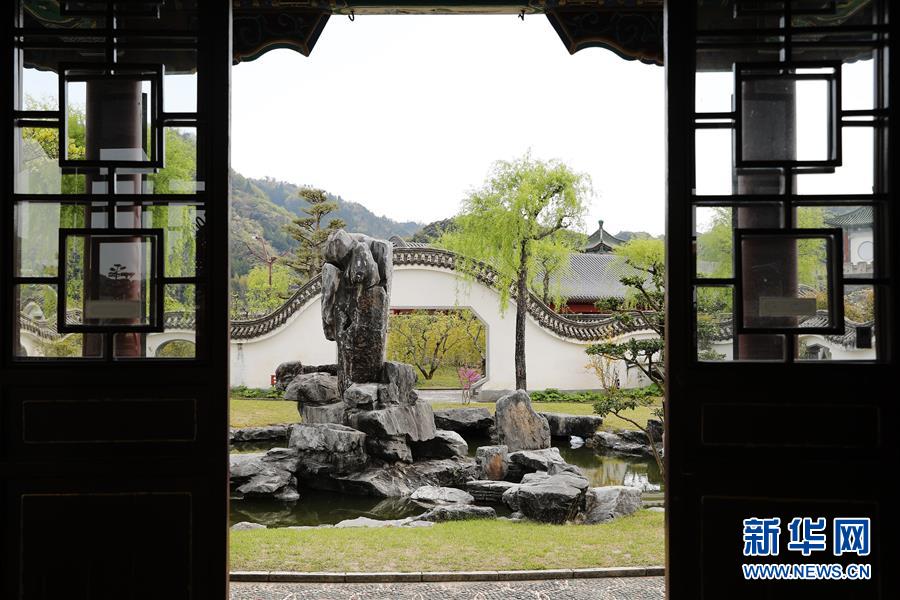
(441,395)
(624,588)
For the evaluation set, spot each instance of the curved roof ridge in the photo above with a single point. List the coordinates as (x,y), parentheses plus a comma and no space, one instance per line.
(427,256)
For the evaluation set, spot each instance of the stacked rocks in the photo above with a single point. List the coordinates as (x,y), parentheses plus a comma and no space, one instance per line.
(363,391)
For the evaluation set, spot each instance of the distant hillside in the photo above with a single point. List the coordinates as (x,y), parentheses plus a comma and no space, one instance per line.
(431,232)
(633,235)
(358,217)
(262,207)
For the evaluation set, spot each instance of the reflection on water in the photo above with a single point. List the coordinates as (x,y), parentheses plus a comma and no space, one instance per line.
(601,470)
(320,508)
(614,470)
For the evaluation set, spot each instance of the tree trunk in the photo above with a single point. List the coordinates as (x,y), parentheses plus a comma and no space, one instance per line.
(546,290)
(521,311)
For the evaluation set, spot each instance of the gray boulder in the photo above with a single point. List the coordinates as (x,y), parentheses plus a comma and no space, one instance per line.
(458,512)
(400,479)
(493,462)
(444,444)
(623,443)
(518,426)
(313,388)
(327,413)
(398,382)
(246,526)
(485,490)
(415,421)
(603,504)
(563,425)
(286,372)
(259,434)
(536,460)
(375,523)
(655,429)
(391,449)
(361,396)
(464,420)
(549,498)
(430,495)
(267,475)
(328,448)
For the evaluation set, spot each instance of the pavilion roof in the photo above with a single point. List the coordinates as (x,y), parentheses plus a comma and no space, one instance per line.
(862,216)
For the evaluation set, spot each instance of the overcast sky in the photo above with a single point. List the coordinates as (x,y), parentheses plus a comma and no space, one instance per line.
(405,114)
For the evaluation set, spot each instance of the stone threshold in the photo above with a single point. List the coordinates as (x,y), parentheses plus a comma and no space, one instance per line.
(442,576)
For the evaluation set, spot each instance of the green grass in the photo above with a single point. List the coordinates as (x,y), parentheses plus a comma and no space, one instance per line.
(610,422)
(254,413)
(445,378)
(480,545)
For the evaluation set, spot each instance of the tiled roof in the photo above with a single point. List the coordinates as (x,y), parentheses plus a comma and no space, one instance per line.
(591,277)
(399,242)
(862,216)
(724,329)
(594,244)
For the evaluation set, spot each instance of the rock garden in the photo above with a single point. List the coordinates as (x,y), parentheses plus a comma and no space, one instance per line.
(364,432)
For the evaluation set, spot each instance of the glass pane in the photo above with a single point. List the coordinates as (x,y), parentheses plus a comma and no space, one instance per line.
(180,173)
(37,166)
(857,224)
(714,232)
(714,167)
(714,91)
(178,340)
(110,280)
(117,114)
(180,222)
(858,84)
(37,332)
(785,282)
(784,119)
(37,235)
(715,323)
(854,176)
(858,340)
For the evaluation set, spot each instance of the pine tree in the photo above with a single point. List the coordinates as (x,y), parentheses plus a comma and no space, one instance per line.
(310,233)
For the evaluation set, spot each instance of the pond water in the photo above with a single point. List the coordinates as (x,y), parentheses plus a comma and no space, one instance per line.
(321,508)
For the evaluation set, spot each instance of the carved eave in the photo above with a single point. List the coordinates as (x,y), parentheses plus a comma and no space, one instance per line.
(632,34)
(258,30)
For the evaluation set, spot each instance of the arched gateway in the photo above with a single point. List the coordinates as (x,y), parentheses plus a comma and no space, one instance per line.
(428,278)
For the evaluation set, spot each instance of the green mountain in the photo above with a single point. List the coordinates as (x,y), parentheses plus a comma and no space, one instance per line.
(262,207)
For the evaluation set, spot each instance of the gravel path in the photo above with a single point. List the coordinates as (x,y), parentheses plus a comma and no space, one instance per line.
(626,588)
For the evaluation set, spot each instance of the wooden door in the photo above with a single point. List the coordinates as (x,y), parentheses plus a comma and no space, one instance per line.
(782,334)
(114,299)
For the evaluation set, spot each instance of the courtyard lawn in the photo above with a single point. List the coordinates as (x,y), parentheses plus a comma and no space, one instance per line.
(445,378)
(246,412)
(480,545)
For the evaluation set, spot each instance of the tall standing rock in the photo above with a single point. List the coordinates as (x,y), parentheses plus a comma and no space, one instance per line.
(518,426)
(355,304)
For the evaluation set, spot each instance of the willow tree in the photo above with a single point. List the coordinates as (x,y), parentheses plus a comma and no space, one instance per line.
(508,223)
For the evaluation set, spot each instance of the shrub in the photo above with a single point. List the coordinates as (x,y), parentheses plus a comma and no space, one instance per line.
(242,391)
